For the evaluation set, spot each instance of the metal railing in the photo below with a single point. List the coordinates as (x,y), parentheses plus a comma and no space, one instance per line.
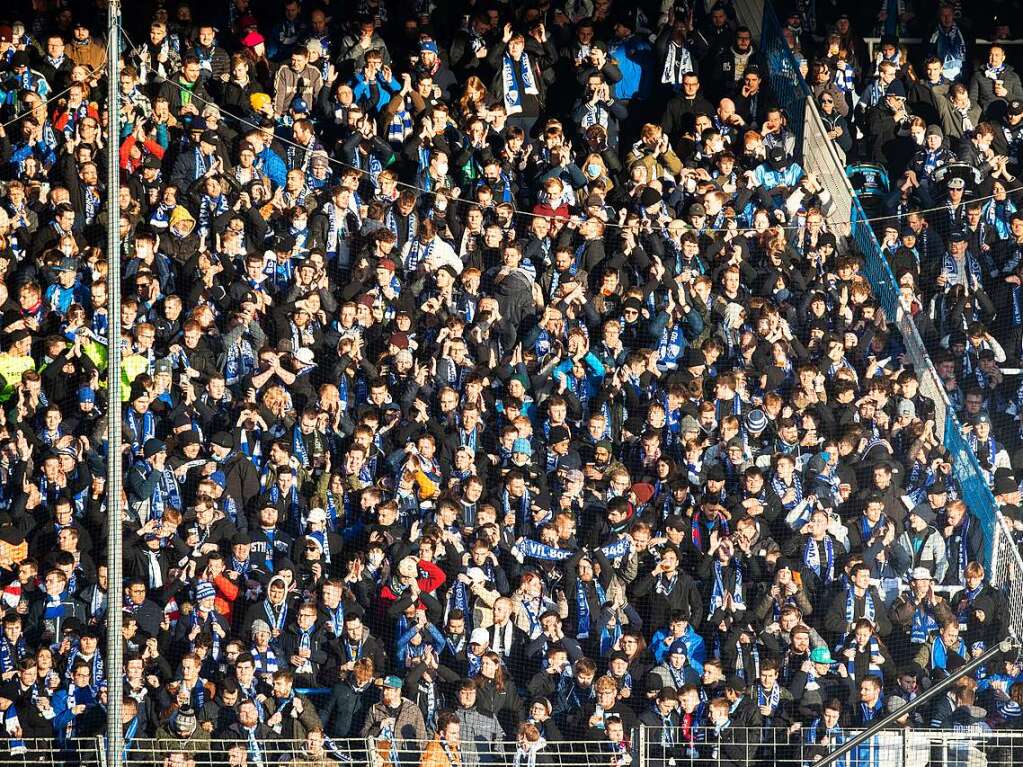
(971,745)
(874,42)
(201,751)
(967,741)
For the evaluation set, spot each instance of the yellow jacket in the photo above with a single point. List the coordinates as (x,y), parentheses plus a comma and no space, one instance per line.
(132,366)
(12,368)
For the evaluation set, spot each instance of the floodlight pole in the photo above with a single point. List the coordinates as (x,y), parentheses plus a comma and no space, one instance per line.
(115,575)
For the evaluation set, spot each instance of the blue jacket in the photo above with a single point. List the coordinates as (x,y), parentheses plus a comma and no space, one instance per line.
(696,648)
(385,89)
(635,59)
(273,166)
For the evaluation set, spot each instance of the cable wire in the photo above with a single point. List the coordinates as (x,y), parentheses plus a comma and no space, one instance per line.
(831,225)
(48,100)
(452,200)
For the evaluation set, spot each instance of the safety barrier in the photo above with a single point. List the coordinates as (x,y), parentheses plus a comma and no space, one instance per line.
(965,741)
(968,742)
(315,750)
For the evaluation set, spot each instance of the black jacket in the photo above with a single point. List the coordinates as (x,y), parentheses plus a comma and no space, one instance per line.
(345,712)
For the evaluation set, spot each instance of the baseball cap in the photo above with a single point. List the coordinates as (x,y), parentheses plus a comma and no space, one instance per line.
(316,515)
(152,447)
(906,408)
(925,512)
(821,655)
(479,636)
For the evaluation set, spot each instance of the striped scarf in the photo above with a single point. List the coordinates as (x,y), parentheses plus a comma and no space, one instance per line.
(266,661)
(400,127)
(812,559)
(717,599)
(876,659)
(869,610)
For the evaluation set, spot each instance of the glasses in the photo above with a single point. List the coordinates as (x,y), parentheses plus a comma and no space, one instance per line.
(827,101)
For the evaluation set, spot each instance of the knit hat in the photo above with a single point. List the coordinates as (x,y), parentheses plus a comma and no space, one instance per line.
(153,446)
(184,720)
(252,39)
(204,590)
(522,446)
(259,625)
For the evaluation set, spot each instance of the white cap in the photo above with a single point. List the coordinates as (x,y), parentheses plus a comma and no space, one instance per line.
(476,574)
(305,356)
(479,636)
(316,515)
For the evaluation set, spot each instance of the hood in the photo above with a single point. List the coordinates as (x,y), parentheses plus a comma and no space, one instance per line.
(180,215)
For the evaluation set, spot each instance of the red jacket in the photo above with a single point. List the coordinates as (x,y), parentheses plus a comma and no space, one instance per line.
(131,164)
(430,579)
(227,593)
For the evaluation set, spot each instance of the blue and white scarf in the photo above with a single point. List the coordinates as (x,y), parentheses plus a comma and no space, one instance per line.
(582,604)
(717,599)
(812,559)
(517,78)
(939,653)
(869,610)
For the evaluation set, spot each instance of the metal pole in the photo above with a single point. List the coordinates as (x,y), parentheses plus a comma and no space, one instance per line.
(115,646)
(1005,646)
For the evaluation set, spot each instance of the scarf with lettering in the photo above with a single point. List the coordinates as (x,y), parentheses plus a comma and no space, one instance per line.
(923,624)
(96,664)
(11,653)
(678,62)
(582,604)
(517,79)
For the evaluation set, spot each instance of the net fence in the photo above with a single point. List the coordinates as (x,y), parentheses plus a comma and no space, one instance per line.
(919,318)
(969,745)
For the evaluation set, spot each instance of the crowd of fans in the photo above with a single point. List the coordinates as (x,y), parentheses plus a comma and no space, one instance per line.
(491,381)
